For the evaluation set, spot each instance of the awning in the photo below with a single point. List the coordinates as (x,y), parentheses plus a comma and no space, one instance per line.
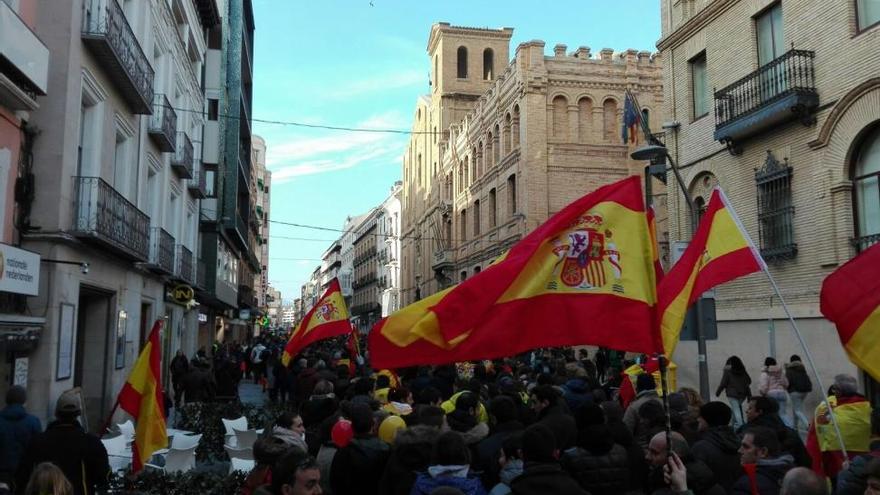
(20,332)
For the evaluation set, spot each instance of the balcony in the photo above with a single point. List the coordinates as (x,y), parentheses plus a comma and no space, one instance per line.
(182,162)
(864,242)
(201,274)
(197,184)
(779,92)
(103,215)
(184,269)
(443,259)
(106,32)
(361,309)
(24,63)
(209,14)
(163,124)
(161,251)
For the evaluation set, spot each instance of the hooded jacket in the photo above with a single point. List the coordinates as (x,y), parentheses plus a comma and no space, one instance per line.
(447,476)
(576,394)
(512,469)
(768,476)
(17,427)
(631,416)
(798,379)
(411,455)
(772,380)
(543,478)
(357,468)
(489,448)
(718,448)
(562,425)
(737,385)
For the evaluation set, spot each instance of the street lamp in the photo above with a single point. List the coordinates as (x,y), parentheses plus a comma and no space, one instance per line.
(655,152)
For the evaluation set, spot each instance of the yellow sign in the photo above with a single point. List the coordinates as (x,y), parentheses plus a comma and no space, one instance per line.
(182,294)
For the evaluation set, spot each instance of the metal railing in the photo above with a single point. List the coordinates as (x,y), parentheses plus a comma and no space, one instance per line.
(103,213)
(183,156)
(104,21)
(790,73)
(197,184)
(184,264)
(162,249)
(862,243)
(163,122)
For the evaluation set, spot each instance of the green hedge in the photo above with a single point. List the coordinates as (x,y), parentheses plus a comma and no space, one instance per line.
(192,482)
(206,418)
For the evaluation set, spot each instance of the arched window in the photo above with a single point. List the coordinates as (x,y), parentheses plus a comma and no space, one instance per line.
(609,119)
(585,119)
(505,135)
(488,64)
(462,63)
(560,117)
(489,157)
(866,185)
(514,127)
(478,160)
(436,73)
(496,145)
(461,168)
(419,169)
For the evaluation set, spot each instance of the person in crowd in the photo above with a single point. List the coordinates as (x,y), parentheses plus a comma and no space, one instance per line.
(504,420)
(48,479)
(737,385)
(853,414)
(763,411)
(576,394)
(700,478)
(281,375)
(599,465)
(81,456)
(178,367)
(622,436)
(652,420)
(851,481)
(646,391)
(17,427)
(511,463)
(803,481)
(872,478)
(430,416)
(306,380)
(799,386)
(548,405)
(321,404)
(718,446)
(400,402)
(296,473)
(428,396)
(764,463)
(227,375)
(258,362)
(199,384)
(290,429)
(675,475)
(267,450)
(411,454)
(542,473)
(357,467)
(463,419)
(774,384)
(683,416)
(450,467)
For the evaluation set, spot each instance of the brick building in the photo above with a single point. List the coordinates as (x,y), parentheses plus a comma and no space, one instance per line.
(792,133)
(498,147)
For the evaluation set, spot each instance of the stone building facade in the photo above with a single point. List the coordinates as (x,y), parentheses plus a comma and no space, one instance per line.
(791,132)
(498,147)
(364,306)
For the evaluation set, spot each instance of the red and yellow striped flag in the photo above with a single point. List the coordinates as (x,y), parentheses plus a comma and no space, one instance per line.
(328,318)
(850,298)
(142,398)
(719,252)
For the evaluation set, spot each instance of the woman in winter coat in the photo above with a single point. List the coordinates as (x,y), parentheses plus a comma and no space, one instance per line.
(799,385)
(736,383)
(774,385)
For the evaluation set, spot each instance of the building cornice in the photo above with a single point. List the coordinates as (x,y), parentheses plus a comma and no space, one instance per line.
(696,23)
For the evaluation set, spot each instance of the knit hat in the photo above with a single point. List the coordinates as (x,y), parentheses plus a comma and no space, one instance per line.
(715,413)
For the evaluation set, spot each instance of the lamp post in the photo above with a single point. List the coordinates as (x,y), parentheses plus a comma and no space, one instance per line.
(655,152)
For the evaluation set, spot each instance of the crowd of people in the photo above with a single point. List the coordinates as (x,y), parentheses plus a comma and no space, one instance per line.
(546,422)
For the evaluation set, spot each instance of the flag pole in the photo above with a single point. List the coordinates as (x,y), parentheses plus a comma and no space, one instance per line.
(664,388)
(809,356)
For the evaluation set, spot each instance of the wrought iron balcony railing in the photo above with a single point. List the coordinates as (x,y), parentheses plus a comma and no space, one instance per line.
(163,123)
(197,184)
(780,91)
(182,162)
(102,214)
(862,243)
(161,250)
(184,270)
(106,32)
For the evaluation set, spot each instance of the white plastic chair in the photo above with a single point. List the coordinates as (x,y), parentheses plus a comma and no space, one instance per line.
(177,461)
(245,465)
(245,438)
(231,425)
(185,441)
(235,453)
(127,430)
(118,452)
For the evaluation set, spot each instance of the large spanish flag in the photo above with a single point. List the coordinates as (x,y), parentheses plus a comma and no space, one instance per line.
(586,276)
(142,398)
(719,252)
(850,298)
(328,318)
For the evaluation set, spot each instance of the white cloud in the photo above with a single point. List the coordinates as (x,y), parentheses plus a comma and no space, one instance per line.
(376,84)
(322,166)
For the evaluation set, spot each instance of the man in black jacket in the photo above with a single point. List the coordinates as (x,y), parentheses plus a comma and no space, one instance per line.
(763,411)
(358,467)
(503,411)
(543,474)
(760,448)
(718,444)
(80,455)
(547,404)
(700,479)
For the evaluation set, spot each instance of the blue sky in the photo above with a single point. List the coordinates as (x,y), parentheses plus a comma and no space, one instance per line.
(357,63)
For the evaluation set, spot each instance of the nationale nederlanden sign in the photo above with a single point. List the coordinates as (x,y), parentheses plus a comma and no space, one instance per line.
(19,271)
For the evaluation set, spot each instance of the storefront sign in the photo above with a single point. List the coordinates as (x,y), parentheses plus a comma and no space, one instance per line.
(244,314)
(203,318)
(19,271)
(182,294)
(21,372)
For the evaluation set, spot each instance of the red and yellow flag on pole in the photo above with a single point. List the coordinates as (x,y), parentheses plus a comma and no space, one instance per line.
(850,298)
(328,318)
(142,398)
(586,276)
(719,252)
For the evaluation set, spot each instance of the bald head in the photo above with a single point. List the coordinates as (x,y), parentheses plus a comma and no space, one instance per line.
(802,481)
(656,454)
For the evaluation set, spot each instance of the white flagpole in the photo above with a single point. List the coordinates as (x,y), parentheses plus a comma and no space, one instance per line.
(797,331)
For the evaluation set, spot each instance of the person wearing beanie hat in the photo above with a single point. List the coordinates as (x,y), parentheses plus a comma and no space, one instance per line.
(718,446)
(80,455)
(542,473)
(646,391)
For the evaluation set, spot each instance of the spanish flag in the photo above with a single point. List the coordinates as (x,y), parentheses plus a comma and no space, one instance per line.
(328,318)
(719,252)
(142,398)
(850,298)
(586,276)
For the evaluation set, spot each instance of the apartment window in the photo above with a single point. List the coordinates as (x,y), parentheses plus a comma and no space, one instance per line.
(493,218)
(477,217)
(488,64)
(210,183)
(463,226)
(511,194)
(866,185)
(775,210)
(462,63)
(213,109)
(868,13)
(769,29)
(463,275)
(610,128)
(700,86)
